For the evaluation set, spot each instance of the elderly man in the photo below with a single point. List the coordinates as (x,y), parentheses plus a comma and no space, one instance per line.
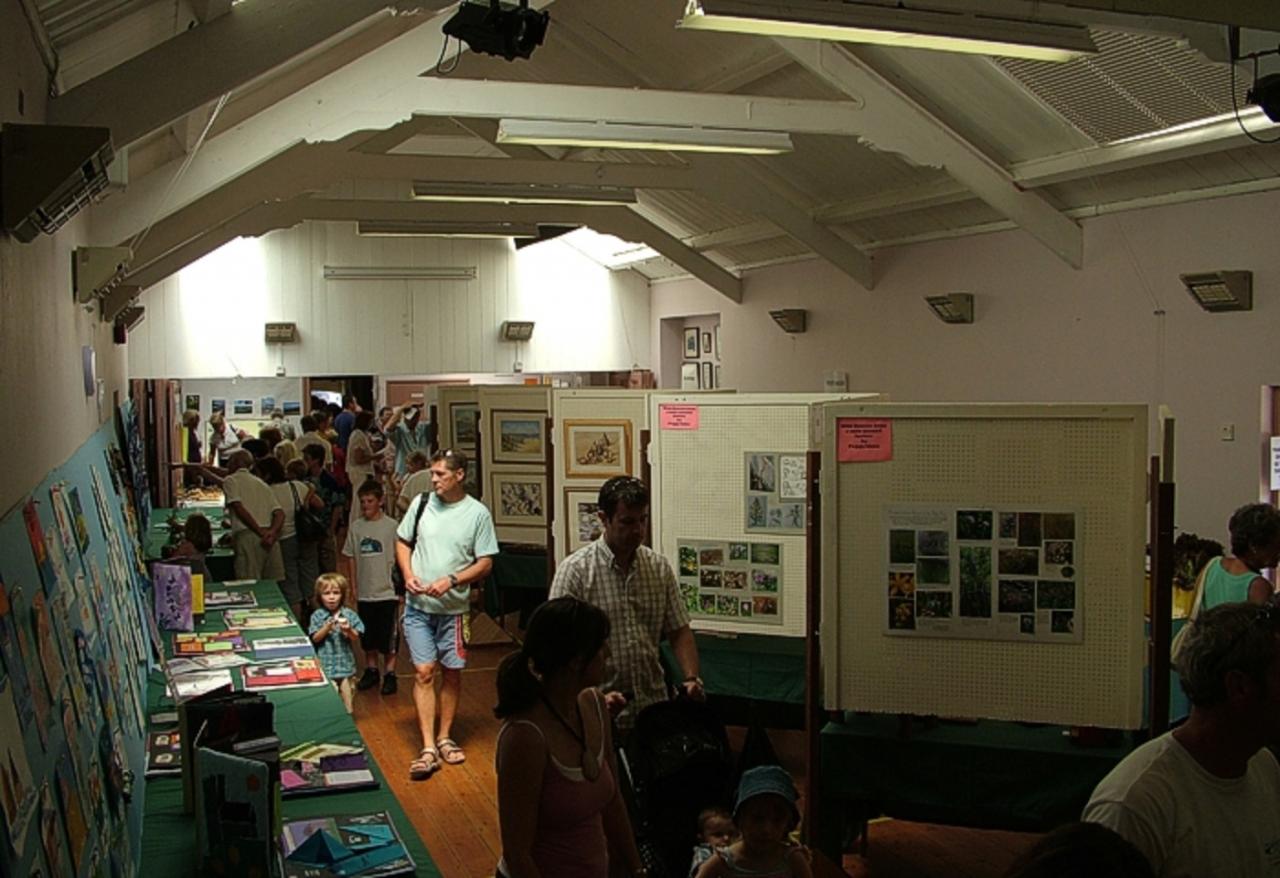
(1204,800)
(636,587)
(256,520)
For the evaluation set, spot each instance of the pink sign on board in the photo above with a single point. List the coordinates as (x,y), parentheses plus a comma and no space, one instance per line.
(864,440)
(678,417)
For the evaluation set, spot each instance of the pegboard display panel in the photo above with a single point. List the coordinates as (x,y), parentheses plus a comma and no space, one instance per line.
(699,485)
(1088,459)
(515,473)
(621,413)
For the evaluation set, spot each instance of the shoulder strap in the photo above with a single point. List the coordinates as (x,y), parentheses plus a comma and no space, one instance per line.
(423,499)
(1198,600)
(293,489)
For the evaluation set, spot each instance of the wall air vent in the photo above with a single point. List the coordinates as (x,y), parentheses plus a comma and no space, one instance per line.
(48,173)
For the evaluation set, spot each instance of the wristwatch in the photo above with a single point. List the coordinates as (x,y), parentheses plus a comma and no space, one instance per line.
(453,580)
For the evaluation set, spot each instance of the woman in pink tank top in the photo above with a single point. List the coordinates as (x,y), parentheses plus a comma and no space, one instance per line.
(559,810)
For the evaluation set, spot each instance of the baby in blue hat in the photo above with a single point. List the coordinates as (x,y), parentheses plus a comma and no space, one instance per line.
(766,814)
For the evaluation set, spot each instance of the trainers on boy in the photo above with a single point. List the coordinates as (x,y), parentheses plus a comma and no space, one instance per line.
(368,680)
(389,684)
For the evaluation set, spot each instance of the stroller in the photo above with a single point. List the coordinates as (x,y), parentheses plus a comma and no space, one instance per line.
(678,762)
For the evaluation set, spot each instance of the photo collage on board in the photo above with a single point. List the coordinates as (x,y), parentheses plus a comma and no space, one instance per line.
(739,580)
(983,573)
(774,494)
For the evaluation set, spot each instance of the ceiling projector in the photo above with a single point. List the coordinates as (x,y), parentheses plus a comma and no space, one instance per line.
(495,28)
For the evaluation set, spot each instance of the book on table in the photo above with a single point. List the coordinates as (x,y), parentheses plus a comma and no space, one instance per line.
(221,600)
(279,675)
(329,774)
(217,641)
(294,646)
(164,753)
(258,618)
(218,721)
(360,846)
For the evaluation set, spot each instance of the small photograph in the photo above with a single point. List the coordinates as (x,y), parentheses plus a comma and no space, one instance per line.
(975,582)
(744,607)
(691,343)
(933,571)
(707,604)
(902,614)
(688,561)
(192,401)
(726,605)
(902,547)
(709,578)
(1028,529)
(764,580)
(761,606)
(689,595)
(1059,526)
(1062,622)
(792,515)
(775,517)
(933,543)
(1027,623)
(711,556)
(267,405)
(762,473)
(933,604)
(757,512)
(739,552)
(1017,595)
(1058,552)
(242,407)
(1055,595)
(217,406)
(1008,525)
(1018,562)
(292,407)
(766,553)
(973,524)
(902,585)
(736,579)
(706,342)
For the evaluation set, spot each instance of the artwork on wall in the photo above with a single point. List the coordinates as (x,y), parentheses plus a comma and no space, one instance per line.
(519,499)
(691,343)
(774,496)
(983,572)
(519,437)
(268,404)
(717,332)
(242,407)
(597,448)
(292,407)
(707,379)
(582,523)
(465,418)
(689,376)
(192,402)
(217,406)
(706,342)
(723,579)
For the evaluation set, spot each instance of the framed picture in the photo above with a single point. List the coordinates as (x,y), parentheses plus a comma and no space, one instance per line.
(520,499)
(582,524)
(597,448)
(242,407)
(691,343)
(519,437)
(688,376)
(708,375)
(717,330)
(465,418)
(268,404)
(706,342)
(217,406)
(292,407)
(717,375)
(192,402)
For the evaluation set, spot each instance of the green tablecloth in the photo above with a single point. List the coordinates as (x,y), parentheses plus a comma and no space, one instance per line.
(220,561)
(312,714)
(518,582)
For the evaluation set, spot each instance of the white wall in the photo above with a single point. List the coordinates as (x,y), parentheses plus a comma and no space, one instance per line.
(41,330)
(207,320)
(1043,332)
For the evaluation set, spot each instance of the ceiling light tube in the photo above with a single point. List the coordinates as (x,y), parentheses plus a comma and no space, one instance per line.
(523,193)
(398,272)
(410,229)
(888,26)
(607,135)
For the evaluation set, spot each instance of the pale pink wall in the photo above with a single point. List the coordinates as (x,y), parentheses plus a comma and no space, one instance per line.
(1044,332)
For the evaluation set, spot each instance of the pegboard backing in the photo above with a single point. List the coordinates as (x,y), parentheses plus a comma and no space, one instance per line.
(512,398)
(699,484)
(1086,458)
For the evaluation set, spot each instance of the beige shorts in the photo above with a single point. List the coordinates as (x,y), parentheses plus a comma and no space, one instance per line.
(255,562)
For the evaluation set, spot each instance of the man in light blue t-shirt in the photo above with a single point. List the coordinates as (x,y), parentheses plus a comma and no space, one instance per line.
(441,550)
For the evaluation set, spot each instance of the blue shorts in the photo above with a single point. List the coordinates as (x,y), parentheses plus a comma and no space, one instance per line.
(435,638)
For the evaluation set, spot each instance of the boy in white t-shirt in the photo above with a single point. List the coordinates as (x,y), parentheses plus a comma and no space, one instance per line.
(371,544)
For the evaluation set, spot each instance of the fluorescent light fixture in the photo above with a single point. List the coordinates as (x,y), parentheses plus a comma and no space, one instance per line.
(398,272)
(953,307)
(607,135)
(425,229)
(523,193)
(1221,290)
(888,26)
(793,320)
(516,330)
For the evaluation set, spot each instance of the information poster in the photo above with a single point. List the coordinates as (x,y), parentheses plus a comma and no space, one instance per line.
(741,580)
(982,572)
(774,491)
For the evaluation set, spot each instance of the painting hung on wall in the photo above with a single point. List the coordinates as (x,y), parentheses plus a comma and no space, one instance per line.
(217,406)
(597,448)
(192,402)
(242,407)
(519,499)
(582,521)
(707,380)
(691,343)
(292,407)
(689,376)
(465,417)
(268,405)
(519,437)
(774,498)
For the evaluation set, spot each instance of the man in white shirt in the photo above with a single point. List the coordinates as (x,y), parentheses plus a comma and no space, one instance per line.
(1204,800)
(256,520)
(417,482)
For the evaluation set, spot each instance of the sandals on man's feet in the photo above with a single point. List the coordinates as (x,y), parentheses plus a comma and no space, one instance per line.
(450,752)
(426,764)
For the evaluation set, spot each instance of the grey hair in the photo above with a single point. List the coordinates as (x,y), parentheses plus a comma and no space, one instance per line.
(1253,526)
(240,459)
(1225,638)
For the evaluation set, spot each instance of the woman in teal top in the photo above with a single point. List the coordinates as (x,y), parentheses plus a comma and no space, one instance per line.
(1255,546)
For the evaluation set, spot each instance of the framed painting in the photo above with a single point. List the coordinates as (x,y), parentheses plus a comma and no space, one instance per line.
(519,499)
(706,343)
(691,343)
(597,449)
(688,376)
(582,523)
(708,375)
(465,420)
(519,437)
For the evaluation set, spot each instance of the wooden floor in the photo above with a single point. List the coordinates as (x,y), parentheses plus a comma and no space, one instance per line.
(455,811)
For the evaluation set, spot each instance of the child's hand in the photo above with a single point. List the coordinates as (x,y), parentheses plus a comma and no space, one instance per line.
(343,623)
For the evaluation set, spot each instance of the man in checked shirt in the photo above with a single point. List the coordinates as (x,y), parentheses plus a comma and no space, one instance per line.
(636,587)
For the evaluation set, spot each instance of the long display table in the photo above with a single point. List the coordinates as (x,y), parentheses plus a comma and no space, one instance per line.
(220,561)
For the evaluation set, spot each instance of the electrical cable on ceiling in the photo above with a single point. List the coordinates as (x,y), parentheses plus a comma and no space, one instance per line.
(443,71)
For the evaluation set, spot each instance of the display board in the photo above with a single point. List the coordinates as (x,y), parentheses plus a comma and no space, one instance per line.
(984,560)
(72,688)
(515,447)
(458,416)
(597,436)
(702,447)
